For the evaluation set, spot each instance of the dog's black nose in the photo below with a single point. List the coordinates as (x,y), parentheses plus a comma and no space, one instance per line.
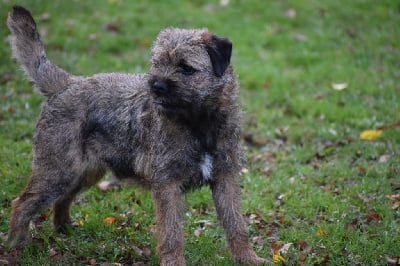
(160,87)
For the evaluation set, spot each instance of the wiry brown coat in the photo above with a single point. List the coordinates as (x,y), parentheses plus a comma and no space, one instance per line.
(173,129)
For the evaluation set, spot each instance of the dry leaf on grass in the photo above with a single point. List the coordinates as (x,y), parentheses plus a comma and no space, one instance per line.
(373,216)
(322,232)
(278,258)
(393,261)
(370,134)
(339,86)
(285,248)
(110,220)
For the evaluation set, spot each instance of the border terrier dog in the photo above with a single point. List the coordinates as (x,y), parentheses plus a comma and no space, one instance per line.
(172,130)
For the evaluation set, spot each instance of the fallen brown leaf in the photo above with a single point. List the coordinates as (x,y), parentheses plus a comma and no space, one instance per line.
(393,261)
(285,248)
(254,140)
(91,261)
(393,125)
(275,246)
(393,196)
(322,232)
(304,246)
(324,260)
(54,254)
(352,225)
(396,205)
(266,85)
(113,27)
(110,220)
(302,258)
(373,216)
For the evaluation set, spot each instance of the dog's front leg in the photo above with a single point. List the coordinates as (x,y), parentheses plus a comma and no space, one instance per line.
(169,219)
(226,196)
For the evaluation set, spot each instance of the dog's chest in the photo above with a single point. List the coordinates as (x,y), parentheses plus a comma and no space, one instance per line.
(206,166)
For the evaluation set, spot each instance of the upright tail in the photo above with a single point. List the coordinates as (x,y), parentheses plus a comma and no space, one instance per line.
(29,51)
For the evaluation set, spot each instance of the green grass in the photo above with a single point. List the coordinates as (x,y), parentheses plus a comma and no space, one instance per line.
(311,180)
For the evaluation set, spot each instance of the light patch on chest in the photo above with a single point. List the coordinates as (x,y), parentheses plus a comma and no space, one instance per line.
(206,166)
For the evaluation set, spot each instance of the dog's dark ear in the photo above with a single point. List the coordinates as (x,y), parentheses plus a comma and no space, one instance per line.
(220,50)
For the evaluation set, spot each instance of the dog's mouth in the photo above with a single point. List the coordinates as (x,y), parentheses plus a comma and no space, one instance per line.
(168,106)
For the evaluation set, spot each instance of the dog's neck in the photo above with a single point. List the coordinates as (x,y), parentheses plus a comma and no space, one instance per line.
(206,128)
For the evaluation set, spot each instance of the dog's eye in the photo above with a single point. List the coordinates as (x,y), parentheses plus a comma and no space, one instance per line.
(187,70)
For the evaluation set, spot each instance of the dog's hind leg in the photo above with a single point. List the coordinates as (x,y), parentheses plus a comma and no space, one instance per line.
(61,209)
(48,184)
(35,198)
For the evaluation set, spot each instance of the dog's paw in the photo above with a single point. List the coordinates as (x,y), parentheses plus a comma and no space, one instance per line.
(172,262)
(250,258)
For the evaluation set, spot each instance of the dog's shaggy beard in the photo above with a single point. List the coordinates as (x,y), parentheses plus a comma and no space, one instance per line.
(171,102)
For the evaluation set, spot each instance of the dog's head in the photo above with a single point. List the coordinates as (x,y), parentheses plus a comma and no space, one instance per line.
(189,69)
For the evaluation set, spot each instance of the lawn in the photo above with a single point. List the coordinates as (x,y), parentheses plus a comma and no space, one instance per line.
(314,76)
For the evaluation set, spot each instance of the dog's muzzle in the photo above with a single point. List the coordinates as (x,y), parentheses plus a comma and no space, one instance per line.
(160,87)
